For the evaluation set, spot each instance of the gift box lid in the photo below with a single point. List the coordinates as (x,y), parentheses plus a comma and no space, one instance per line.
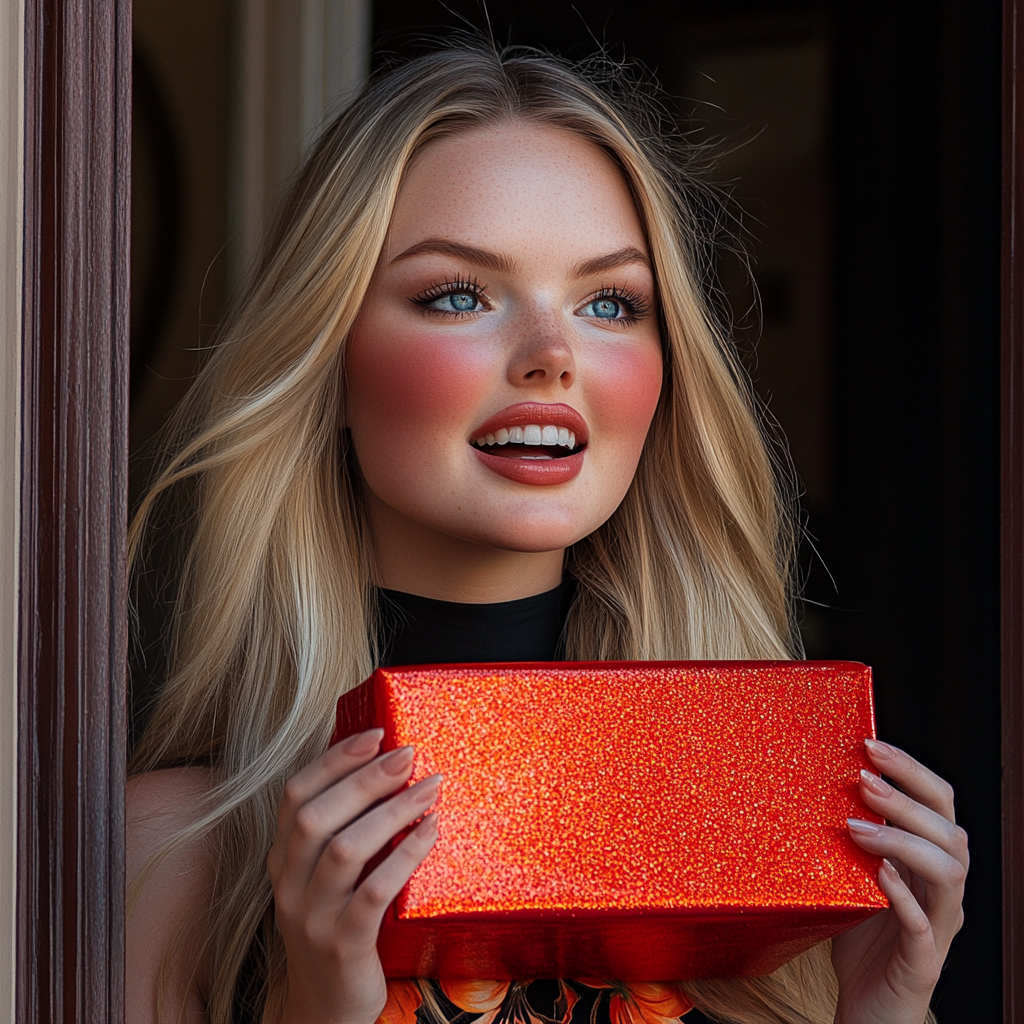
(580,794)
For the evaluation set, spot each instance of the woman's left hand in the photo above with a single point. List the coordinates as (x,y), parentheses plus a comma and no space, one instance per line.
(888,966)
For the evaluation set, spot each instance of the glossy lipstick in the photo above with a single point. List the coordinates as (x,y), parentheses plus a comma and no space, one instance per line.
(525,413)
(536,465)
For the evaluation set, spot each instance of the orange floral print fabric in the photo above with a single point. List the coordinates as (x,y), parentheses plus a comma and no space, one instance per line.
(476,996)
(648,1002)
(529,1002)
(403,1001)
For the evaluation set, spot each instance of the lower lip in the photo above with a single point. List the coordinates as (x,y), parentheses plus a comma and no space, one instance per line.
(534,471)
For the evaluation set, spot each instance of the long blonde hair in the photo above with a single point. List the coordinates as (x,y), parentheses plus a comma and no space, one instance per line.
(274,608)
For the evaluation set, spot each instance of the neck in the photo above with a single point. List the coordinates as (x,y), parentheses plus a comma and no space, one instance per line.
(415,559)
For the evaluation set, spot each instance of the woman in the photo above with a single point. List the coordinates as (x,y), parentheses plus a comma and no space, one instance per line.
(485,252)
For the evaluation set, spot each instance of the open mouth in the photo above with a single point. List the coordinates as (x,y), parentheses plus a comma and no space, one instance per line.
(537,442)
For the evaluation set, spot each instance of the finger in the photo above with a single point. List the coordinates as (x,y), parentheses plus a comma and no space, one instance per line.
(908,814)
(919,953)
(315,823)
(353,920)
(366,909)
(344,857)
(333,764)
(918,782)
(942,874)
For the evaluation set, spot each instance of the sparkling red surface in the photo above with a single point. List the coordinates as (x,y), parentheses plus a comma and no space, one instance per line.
(620,806)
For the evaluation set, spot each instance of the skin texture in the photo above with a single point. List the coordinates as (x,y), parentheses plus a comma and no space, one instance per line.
(177,894)
(422,377)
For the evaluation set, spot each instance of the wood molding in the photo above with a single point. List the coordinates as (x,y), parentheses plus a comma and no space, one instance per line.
(12,102)
(1012,542)
(74,457)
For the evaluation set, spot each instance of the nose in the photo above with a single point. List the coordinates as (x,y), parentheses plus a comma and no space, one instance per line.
(543,357)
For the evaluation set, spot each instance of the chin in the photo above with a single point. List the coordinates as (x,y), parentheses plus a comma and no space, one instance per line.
(533,536)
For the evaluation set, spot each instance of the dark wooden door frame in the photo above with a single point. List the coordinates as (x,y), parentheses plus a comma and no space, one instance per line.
(70,905)
(1012,542)
(75,358)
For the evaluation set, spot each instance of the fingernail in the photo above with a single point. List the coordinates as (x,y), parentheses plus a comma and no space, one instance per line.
(428,787)
(363,742)
(877,786)
(427,828)
(398,762)
(864,828)
(880,749)
(887,867)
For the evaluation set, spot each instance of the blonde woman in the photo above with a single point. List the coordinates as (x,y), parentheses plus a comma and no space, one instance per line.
(474,389)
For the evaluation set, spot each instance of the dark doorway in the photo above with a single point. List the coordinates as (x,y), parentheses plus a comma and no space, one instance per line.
(871,199)
(862,144)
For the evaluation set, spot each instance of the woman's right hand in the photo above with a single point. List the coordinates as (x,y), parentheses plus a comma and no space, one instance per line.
(326,833)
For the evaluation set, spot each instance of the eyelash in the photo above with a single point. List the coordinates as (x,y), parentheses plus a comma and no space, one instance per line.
(635,303)
(633,300)
(470,286)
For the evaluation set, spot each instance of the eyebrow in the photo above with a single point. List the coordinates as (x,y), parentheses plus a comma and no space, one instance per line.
(503,265)
(470,253)
(621,258)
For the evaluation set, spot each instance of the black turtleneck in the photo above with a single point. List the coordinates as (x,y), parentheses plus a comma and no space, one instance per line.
(422,631)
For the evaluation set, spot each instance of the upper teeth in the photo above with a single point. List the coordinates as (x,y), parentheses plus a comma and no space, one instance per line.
(530,434)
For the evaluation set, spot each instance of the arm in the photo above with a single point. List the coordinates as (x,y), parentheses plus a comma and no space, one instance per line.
(175,896)
(888,966)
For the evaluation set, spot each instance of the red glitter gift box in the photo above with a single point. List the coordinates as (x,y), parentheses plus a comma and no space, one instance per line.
(637,821)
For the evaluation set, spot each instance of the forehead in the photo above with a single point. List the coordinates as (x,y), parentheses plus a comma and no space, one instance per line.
(516,185)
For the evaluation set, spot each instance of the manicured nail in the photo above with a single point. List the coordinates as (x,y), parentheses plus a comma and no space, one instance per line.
(363,742)
(890,870)
(427,828)
(877,786)
(863,828)
(426,789)
(879,749)
(398,762)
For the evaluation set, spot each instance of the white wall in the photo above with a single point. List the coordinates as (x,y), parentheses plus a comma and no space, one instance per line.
(11,204)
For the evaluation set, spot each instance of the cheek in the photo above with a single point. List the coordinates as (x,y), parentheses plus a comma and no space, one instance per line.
(627,385)
(411,382)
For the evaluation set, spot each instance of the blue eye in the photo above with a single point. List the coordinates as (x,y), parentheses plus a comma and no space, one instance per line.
(605,309)
(453,297)
(462,302)
(616,305)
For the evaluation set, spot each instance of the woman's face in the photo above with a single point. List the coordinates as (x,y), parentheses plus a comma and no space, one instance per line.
(506,363)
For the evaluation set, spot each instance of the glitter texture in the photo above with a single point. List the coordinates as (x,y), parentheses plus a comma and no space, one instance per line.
(628,820)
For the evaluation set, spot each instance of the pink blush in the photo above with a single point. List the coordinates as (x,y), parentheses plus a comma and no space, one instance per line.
(419,383)
(624,390)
